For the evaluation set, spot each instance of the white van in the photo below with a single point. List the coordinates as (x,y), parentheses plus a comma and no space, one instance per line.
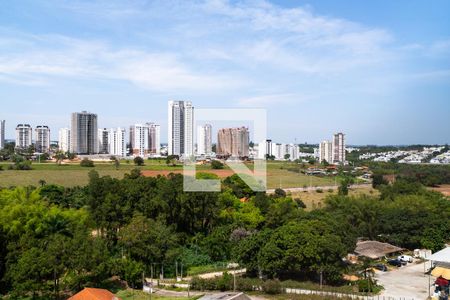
(405,258)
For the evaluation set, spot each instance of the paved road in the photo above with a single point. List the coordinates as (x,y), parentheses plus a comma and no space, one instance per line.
(408,282)
(326,187)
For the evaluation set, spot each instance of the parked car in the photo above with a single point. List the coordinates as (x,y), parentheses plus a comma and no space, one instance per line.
(381,267)
(405,258)
(395,262)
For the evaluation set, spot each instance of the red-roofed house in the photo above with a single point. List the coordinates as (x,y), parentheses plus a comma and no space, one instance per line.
(94,294)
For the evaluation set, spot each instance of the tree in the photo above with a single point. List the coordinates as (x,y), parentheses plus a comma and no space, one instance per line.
(138,161)
(279,193)
(171,160)
(59,156)
(147,240)
(287,156)
(116,162)
(344,185)
(378,180)
(215,164)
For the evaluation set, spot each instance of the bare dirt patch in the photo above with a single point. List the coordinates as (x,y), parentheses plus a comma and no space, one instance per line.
(444,189)
(220,173)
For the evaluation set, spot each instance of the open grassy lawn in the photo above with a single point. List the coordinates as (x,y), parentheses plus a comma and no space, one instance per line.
(70,175)
(278,176)
(313,199)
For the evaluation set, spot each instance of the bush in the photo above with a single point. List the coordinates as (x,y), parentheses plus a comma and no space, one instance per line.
(215,164)
(247,284)
(300,203)
(279,193)
(138,161)
(366,286)
(87,163)
(271,286)
(1,168)
(23,165)
(319,191)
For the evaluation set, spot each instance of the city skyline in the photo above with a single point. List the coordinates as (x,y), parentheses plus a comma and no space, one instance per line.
(387,77)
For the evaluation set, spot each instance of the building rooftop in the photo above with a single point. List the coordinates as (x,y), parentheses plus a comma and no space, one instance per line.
(375,249)
(94,294)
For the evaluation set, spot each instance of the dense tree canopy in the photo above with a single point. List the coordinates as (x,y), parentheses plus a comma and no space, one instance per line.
(58,239)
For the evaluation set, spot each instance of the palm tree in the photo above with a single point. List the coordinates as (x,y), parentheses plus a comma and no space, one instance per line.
(368,272)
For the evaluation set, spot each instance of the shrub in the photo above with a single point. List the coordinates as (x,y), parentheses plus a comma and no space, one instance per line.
(366,286)
(330,190)
(87,163)
(300,203)
(1,168)
(138,161)
(279,193)
(319,191)
(271,286)
(247,284)
(215,164)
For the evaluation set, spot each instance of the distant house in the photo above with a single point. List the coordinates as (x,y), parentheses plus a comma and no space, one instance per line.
(94,294)
(375,249)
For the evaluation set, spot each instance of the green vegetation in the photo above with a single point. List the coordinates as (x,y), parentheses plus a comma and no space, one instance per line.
(59,239)
(215,164)
(87,163)
(71,175)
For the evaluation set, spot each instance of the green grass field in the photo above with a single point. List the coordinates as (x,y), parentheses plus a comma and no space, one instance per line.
(74,175)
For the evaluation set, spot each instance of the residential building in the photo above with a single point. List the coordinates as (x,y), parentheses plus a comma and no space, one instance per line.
(64,139)
(338,148)
(94,294)
(103,141)
(326,152)
(180,128)
(139,139)
(265,149)
(204,139)
(116,142)
(154,138)
(293,151)
(233,142)
(42,143)
(24,134)
(2,134)
(83,133)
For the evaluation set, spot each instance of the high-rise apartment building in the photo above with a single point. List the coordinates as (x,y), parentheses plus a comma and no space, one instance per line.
(42,143)
(338,148)
(139,139)
(265,149)
(64,139)
(154,138)
(103,141)
(83,133)
(204,139)
(181,128)
(233,142)
(2,134)
(24,134)
(326,152)
(116,140)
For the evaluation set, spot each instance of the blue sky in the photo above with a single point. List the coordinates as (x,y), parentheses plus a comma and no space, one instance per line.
(377,70)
